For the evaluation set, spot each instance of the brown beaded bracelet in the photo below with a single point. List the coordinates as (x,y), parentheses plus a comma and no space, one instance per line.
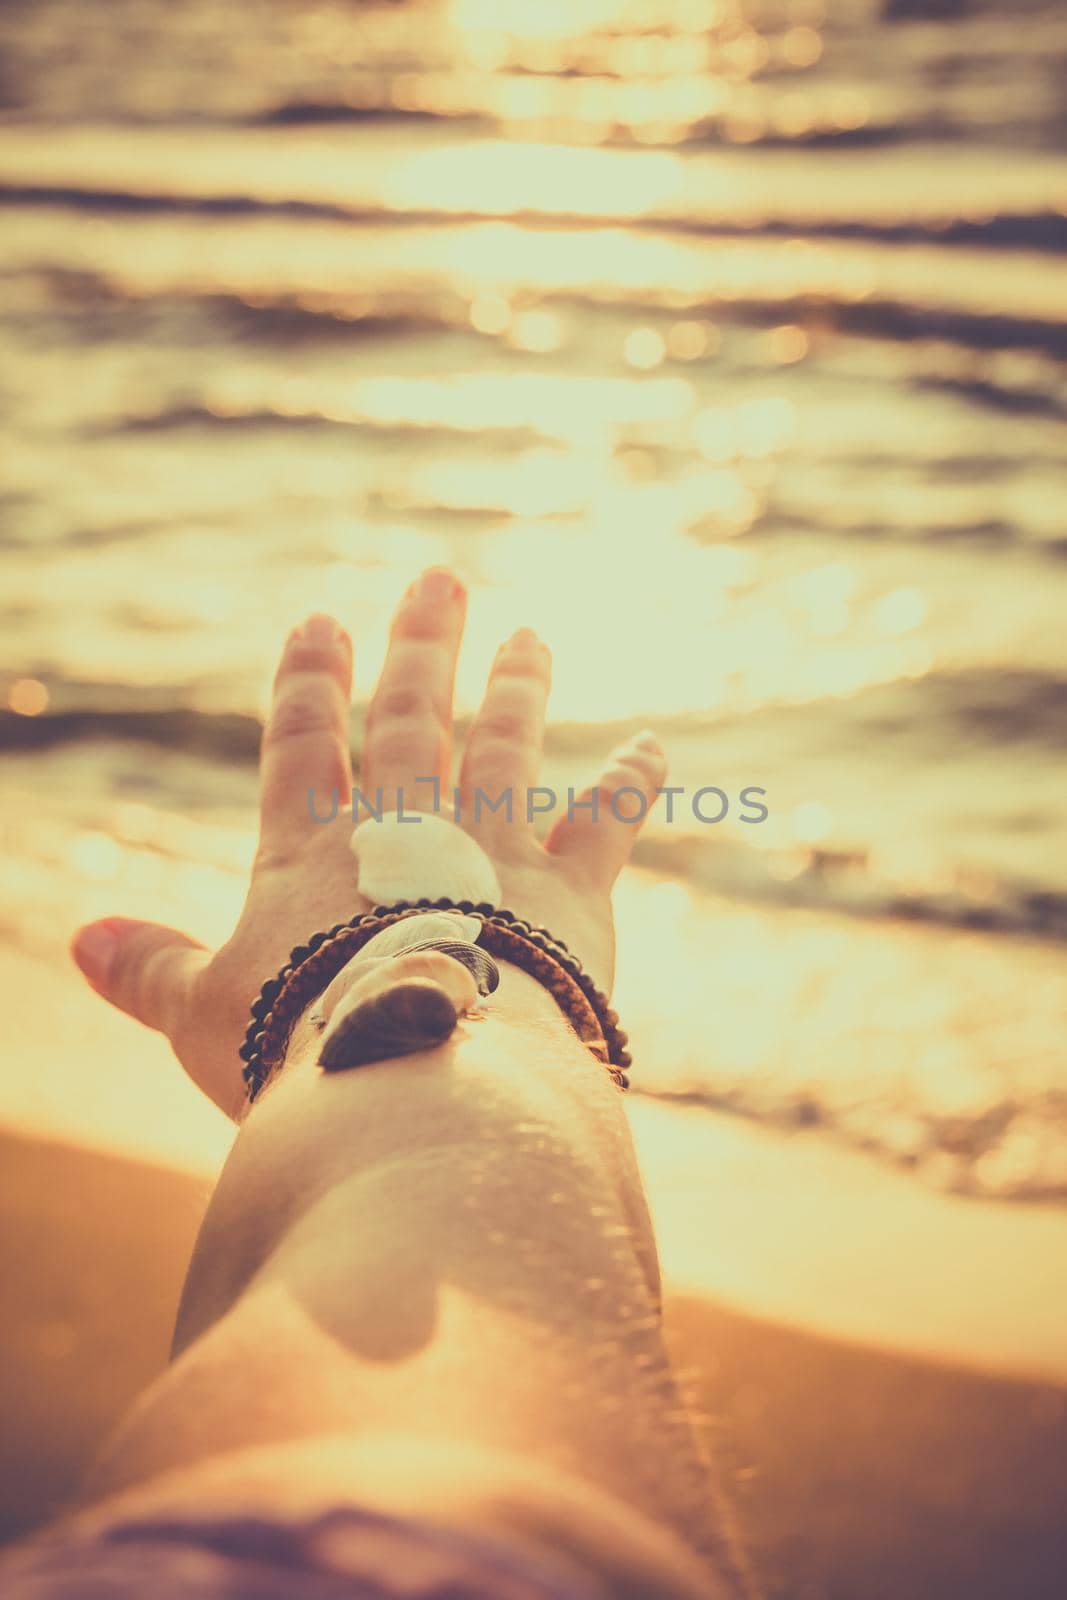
(311,967)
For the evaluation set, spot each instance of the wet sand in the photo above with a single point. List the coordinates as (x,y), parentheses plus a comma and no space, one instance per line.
(91,1257)
(881,1369)
(861,1474)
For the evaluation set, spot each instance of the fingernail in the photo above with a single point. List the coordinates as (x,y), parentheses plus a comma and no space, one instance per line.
(94,949)
(524,639)
(320,629)
(438,585)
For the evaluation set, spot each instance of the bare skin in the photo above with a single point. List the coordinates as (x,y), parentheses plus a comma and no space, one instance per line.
(429,1284)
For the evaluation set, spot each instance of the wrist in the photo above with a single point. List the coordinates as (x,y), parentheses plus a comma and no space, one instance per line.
(372,1010)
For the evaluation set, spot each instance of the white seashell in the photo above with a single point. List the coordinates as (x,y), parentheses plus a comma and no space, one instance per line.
(430,859)
(417,930)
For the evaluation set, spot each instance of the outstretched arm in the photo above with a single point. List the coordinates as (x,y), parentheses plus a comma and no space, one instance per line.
(428,1284)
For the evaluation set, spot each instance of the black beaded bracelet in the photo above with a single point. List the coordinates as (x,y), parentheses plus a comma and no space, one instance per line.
(313,965)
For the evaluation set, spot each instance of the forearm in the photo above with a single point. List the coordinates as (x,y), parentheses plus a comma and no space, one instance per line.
(453,1247)
(512,1089)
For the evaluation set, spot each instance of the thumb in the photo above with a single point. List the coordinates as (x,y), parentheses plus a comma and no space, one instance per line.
(144,969)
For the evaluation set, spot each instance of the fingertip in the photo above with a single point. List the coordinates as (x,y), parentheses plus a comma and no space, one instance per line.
(642,754)
(438,585)
(95,948)
(321,629)
(317,645)
(524,639)
(524,654)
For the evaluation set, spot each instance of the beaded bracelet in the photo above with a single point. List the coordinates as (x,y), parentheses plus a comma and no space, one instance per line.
(312,966)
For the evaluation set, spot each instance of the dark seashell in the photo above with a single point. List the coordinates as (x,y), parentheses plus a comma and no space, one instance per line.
(415,1015)
(477,961)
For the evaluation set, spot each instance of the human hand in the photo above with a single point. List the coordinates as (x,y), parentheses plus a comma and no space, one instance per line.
(304,876)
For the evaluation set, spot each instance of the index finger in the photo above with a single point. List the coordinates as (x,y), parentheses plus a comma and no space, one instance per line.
(305,742)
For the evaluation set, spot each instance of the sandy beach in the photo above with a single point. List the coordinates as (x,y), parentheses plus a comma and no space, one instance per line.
(881,1369)
(723,343)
